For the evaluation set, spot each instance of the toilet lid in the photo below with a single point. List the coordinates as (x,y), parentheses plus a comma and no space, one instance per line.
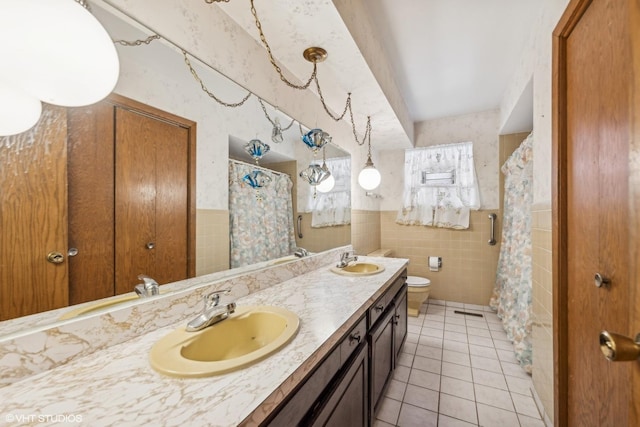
(417,282)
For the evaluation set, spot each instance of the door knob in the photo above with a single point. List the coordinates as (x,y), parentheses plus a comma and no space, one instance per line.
(618,348)
(55,257)
(601,281)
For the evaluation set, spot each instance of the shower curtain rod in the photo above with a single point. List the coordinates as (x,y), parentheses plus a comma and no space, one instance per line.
(240,162)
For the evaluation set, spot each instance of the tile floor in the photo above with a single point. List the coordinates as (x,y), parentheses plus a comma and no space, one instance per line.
(458,370)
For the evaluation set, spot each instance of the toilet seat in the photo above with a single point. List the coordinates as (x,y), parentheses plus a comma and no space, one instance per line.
(418,282)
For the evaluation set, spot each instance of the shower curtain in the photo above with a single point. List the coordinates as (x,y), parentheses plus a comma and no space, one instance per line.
(512,293)
(260,219)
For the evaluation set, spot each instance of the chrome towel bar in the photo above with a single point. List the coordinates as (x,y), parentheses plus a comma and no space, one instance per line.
(492,218)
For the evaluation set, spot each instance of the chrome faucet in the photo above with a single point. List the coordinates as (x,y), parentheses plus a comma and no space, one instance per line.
(212,312)
(301,252)
(147,288)
(346,258)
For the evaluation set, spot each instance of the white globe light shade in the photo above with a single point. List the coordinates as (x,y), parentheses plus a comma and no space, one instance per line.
(369,178)
(58,52)
(326,185)
(19,111)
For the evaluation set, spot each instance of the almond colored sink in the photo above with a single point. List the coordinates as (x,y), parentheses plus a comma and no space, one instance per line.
(98,306)
(359,269)
(247,336)
(284,259)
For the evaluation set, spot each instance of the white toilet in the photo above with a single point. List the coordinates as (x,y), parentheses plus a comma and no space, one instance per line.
(417,293)
(417,287)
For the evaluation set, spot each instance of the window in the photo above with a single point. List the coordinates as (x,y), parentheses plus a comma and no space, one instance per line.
(440,186)
(334,207)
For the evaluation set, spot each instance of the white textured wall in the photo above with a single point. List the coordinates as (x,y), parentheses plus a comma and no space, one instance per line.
(536,62)
(479,128)
(218,40)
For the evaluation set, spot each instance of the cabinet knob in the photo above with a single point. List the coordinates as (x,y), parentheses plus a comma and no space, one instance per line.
(150,245)
(355,336)
(379,307)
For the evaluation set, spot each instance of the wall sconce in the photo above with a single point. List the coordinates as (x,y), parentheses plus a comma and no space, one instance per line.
(59,53)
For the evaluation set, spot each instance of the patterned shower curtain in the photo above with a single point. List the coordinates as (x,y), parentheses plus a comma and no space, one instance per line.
(512,293)
(260,220)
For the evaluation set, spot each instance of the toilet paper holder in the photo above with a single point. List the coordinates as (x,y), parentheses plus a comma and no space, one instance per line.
(435,266)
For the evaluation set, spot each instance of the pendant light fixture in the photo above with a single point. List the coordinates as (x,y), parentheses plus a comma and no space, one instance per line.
(369,177)
(18,110)
(328,182)
(59,53)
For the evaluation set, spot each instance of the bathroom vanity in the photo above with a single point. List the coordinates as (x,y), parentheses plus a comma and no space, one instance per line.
(336,367)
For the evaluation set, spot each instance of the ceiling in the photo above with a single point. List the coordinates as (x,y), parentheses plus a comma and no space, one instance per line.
(446,57)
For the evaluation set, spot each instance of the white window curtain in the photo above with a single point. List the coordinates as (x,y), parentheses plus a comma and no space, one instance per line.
(440,186)
(333,208)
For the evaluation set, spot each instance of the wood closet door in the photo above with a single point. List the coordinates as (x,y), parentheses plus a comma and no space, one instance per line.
(594,82)
(33,217)
(91,202)
(151,212)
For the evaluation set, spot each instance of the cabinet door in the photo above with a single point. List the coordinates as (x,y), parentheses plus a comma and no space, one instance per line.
(347,404)
(382,357)
(400,327)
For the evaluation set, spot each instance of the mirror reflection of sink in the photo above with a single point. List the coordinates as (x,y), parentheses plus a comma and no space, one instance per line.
(359,269)
(284,259)
(99,306)
(247,336)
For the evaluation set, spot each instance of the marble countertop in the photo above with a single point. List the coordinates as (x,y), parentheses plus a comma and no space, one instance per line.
(117,386)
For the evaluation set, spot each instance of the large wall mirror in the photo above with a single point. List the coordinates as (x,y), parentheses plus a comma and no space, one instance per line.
(156,75)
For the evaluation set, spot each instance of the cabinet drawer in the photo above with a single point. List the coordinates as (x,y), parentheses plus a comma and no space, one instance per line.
(352,339)
(383,302)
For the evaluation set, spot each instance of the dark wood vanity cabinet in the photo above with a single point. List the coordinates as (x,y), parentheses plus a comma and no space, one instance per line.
(382,352)
(347,404)
(400,321)
(388,330)
(346,388)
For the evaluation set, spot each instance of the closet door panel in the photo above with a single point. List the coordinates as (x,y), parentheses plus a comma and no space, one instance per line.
(172,191)
(91,201)
(135,183)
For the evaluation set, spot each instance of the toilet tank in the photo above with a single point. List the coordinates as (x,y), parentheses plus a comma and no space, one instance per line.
(381,253)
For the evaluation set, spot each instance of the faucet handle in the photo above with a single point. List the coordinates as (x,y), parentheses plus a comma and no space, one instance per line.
(213,299)
(148,287)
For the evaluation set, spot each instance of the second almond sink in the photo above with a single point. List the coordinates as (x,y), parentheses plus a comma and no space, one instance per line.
(247,336)
(359,269)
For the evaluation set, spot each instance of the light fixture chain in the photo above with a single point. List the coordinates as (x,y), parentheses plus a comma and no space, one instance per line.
(271,120)
(324,105)
(204,88)
(272,59)
(137,42)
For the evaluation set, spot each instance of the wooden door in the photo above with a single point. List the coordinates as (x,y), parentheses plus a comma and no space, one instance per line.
(593,221)
(33,217)
(152,213)
(91,202)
